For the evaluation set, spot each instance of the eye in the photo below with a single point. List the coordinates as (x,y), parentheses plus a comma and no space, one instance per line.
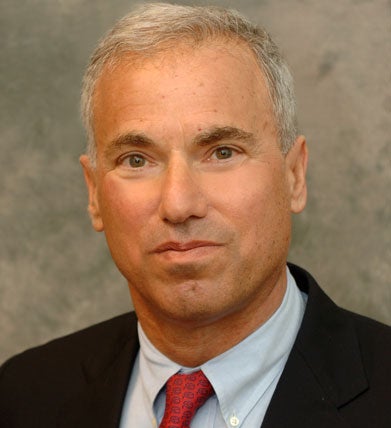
(223,153)
(134,161)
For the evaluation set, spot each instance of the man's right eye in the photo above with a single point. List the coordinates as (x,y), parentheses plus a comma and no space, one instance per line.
(134,161)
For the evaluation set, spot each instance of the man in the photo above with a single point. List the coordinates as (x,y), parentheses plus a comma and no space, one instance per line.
(194,167)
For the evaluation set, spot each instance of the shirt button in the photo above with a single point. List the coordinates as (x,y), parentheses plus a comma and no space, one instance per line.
(234,421)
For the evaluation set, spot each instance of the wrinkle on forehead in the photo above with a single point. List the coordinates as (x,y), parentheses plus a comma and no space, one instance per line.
(166,74)
(170,55)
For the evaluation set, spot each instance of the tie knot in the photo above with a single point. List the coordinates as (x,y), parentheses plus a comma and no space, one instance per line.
(185,394)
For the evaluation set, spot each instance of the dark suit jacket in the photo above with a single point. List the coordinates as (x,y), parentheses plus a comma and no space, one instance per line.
(337,375)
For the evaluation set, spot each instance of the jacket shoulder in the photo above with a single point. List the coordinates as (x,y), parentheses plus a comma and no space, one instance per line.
(74,347)
(349,354)
(374,341)
(371,407)
(42,377)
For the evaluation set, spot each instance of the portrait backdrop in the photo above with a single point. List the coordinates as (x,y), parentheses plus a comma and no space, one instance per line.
(56,272)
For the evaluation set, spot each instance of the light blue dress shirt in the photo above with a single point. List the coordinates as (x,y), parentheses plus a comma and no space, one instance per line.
(244,377)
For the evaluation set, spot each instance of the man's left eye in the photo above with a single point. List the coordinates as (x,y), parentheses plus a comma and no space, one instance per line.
(224,153)
(136,161)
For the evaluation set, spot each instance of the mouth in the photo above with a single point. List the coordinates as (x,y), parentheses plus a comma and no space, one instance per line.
(184,246)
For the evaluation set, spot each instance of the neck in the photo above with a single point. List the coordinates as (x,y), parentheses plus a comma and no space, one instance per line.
(191,343)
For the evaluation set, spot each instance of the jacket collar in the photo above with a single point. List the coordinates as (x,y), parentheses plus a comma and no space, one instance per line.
(324,370)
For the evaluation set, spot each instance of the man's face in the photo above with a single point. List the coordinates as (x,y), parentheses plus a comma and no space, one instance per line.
(191,188)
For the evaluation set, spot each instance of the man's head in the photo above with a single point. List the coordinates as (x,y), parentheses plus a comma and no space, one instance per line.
(190,184)
(156,28)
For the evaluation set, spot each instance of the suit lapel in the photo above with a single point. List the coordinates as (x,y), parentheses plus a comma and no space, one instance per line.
(324,370)
(299,400)
(99,403)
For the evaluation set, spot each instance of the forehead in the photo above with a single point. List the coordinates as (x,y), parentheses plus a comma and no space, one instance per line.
(218,82)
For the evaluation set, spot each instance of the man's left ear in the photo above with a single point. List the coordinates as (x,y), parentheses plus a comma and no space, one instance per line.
(296,163)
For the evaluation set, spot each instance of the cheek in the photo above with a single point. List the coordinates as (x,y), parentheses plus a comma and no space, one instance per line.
(125,206)
(258,206)
(252,194)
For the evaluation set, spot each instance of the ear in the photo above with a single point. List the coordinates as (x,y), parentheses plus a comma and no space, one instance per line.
(296,162)
(93,203)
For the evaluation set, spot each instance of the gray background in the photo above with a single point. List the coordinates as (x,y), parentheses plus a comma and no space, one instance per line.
(56,273)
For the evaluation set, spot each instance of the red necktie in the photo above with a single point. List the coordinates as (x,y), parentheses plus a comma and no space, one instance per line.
(185,394)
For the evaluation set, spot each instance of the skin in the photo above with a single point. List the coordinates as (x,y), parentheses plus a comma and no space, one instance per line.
(194,195)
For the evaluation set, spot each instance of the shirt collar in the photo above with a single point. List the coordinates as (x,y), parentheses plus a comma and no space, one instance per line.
(155,367)
(241,375)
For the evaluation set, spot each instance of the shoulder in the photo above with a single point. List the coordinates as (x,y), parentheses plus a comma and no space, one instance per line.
(41,377)
(374,341)
(323,315)
(350,354)
(72,348)
(347,357)
(371,406)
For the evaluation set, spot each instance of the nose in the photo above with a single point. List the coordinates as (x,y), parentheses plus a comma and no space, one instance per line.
(181,193)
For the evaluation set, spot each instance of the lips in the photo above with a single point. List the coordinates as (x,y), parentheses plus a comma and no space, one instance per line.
(183,246)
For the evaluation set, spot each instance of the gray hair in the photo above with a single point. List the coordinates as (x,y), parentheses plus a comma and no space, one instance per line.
(155,27)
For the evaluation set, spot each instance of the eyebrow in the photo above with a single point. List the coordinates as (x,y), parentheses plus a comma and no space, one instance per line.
(220,133)
(205,138)
(126,140)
